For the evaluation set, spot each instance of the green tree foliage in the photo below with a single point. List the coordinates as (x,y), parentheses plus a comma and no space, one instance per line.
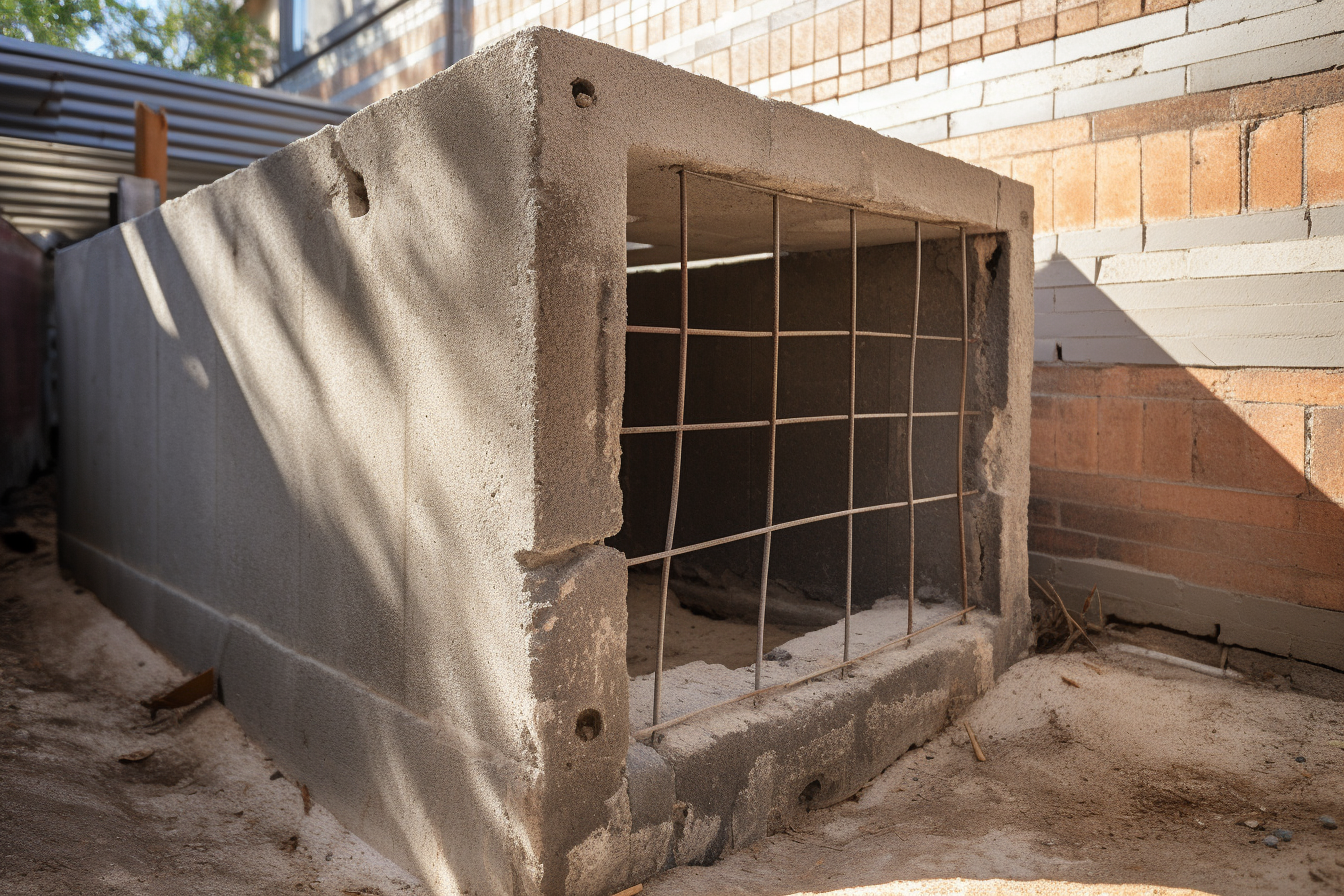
(205,37)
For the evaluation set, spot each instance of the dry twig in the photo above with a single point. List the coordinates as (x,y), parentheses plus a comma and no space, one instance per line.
(975,743)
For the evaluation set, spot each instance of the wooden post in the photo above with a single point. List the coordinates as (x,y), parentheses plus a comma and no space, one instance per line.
(151,146)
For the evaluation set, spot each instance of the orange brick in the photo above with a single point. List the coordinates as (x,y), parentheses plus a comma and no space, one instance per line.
(1188,383)
(851,27)
(1319,516)
(904,17)
(1036,169)
(876,21)
(1120,436)
(655,28)
(936,12)
(758,49)
(703,66)
(1036,30)
(802,43)
(1080,18)
(1282,386)
(1167,441)
(1215,173)
(904,68)
(1085,487)
(1065,379)
(876,76)
(1258,447)
(1075,187)
(1109,11)
(825,90)
(1118,183)
(1043,420)
(932,60)
(1076,434)
(1166,176)
(779,51)
(851,83)
(1000,40)
(1326,472)
(1275,179)
(1042,512)
(962,50)
(1226,505)
(739,65)
(826,34)
(966,7)
(1037,137)
(1060,543)
(1150,6)
(1325,155)
(721,67)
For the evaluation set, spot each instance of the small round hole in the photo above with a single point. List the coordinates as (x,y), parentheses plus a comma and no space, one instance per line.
(588,725)
(584,94)
(810,793)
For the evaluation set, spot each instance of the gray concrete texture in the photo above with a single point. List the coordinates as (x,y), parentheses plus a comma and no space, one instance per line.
(345,426)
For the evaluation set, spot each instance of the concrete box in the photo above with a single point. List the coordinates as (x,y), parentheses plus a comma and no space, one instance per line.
(346,425)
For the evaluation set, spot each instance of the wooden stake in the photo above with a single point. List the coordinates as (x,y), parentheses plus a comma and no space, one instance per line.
(631,891)
(151,146)
(975,742)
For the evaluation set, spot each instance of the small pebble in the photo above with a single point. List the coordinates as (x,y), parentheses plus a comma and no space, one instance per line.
(1271,842)
(1300,759)
(1283,835)
(1252,823)
(1328,823)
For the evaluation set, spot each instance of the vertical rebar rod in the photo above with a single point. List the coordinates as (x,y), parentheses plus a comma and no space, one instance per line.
(853,355)
(770,478)
(676,453)
(910,433)
(961,423)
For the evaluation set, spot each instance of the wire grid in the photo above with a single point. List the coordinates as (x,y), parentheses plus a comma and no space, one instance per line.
(685,331)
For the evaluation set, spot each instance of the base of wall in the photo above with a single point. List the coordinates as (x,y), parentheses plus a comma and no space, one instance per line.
(1137,595)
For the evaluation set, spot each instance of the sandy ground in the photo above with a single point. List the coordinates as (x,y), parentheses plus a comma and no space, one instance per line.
(1135,782)
(206,813)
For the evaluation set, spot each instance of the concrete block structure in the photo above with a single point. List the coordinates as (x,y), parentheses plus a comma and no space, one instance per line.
(383,426)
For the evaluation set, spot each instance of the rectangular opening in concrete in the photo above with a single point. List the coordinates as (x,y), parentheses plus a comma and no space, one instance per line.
(778,350)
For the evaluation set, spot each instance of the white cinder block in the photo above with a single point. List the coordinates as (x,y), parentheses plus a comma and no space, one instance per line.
(1323,254)
(905,45)
(1121,35)
(1270,31)
(1212,13)
(926,131)
(1327,221)
(827,68)
(895,92)
(1275,289)
(1045,301)
(1107,350)
(968,26)
(919,109)
(1001,65)
(1229,230)
(779,82)
(1061,271)
(1044,350)
(1065,77)
(1112,95)
(1045,247)
(1144,267)
(1098,243)
(1253,321)
(934,36)
(1262,65)
(1089,323)
(1002,115)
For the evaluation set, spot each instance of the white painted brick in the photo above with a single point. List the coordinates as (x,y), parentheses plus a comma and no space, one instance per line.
(1274,289)
(1002,115)
(895,92)
(1144,267)
(1253,321)
(1044,247)
(1001,65)
(780,82)
(746,31)
(1082,73)
(1212,13)
(851,62)
(1044,300)
(1097,243)
(905,45)
(1060,271)
(918,109)
(1321,254)
(1088,323)
(1132,350)
(1044,350)
(800,76)
(1121,35)
(968,26)
(934,36)
(1262,65)
(759,88)
(1003,15)
(1270,31)
(1114,94)
(827,68)
(877,54)
(1327,221)
(1229,230)
(918,132)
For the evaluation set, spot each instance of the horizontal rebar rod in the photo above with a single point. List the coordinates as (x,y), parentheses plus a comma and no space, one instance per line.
(811,676)
(747,424)
(819,518)
(762,334)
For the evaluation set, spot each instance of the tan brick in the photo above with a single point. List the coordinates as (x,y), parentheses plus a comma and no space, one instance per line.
(906,67)
(1275,163)
(962,50)
(1038,9)
(641,31)
(1075,187)
(876,21)
(1282,386)
(1076,434)
(1120,436)
(936,12)
(966,7)
(1215,173)
(826,35)
(1325,155)
(1166,176)
(1080,18)
(1164,115)
(703,66)
(1088,488)
(1036,30)
(904,17)
(1288,94)
(825,90)
(722,67)
(1036,169)
(1118,183)
(1000,40)
(739,65)
(1044,420)
(708,9)
(851,83)
(1259,447)
(1319,516)
(851,27)
(803,95)
(965,148)
(1227,505)
(1109,11)
(1150,6)
(1065,379)
(932,60)
(876,76)
(802,43)
(1167,440)
(1326,472)
(1042,512)
(758,49)
(1003,16)
(655,28)
(1060,542)
(780,51)
(999,166)
(1037,137)
(690,14)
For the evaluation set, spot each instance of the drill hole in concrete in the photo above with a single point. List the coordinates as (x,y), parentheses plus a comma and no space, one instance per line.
(810,794)
(584,94)
(588,725)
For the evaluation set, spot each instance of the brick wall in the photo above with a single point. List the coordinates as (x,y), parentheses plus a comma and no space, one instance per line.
(1232,479)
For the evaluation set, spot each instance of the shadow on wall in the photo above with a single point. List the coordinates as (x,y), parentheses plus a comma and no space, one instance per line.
(1225,477)
(277,467)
